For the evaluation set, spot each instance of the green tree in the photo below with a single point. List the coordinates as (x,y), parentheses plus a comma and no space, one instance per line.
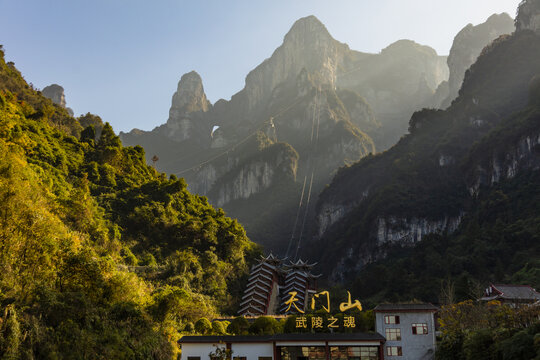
(265,325)
(238,326)
(203,326)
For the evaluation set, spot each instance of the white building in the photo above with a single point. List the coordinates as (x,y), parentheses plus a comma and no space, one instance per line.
(409,330)
(319,346)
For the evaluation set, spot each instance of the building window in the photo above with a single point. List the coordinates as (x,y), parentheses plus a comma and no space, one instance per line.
(239,358)
(391,319)
(393,334)
(263,358)
(419,329)
(393,351)
(354,353)
(193,358)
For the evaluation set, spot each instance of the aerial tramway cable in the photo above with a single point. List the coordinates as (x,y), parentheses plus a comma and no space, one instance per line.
(296,219)
(305,217)
(311,164)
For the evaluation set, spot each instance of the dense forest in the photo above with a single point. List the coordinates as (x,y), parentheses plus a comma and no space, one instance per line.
(101,255)
(474,165)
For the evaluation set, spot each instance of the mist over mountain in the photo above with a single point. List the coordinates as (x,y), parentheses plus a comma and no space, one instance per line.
(313,106)
(467,45)
(456,197)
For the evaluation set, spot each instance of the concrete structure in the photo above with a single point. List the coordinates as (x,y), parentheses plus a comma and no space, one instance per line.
(352,346)
(409,330)
(513,295)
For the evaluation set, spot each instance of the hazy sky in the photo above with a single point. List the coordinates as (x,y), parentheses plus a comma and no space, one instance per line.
(122,59)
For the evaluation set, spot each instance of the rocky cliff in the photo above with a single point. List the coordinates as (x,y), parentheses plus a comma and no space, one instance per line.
(426,183)
(528,16)
(313,94)
(56,93)
(466,48)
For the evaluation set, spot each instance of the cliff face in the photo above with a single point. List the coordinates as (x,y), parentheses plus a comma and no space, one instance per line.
(292,98)
(308,45)
(275,164)
(466,48)
(528,17)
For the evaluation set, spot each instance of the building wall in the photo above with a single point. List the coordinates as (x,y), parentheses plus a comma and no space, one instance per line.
(201,350)
(414,347)
(251,351)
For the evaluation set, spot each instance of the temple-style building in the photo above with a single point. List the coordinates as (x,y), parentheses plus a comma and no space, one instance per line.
(271,281)
(262,290)
(300,280)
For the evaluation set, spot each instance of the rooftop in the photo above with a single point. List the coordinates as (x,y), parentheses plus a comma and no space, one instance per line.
(522,292)
(406,307)
(284,337)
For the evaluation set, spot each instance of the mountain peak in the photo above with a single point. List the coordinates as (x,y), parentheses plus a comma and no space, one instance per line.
(189,96)
(309,27)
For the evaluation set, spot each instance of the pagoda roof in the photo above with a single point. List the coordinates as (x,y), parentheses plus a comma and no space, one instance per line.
(253,289)
(259,274)
(252,299)
(271,258)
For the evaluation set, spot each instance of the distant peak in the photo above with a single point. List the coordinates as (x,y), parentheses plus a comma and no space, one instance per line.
(191,76)
(405,45)
(499,17)
(189,96)
(56,93)
(310,19)
(305,26)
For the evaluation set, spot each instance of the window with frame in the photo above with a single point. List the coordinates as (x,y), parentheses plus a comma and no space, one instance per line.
(393,334)
(391,319)
(394,351)
(419,329)
(264,358)
(193,358)
(239,358)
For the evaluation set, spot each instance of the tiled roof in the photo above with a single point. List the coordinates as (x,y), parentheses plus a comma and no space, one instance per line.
(523,292)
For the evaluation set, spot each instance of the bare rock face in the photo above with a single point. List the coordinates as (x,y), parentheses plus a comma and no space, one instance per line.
(189,97)
(528,17)
(56,93)
(189,103)
(468,45)
(307,45)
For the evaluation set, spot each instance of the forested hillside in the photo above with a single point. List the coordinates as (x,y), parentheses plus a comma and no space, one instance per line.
(455,202)
(101,256)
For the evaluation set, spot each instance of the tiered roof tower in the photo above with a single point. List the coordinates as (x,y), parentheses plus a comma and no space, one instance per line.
(262,290)
(299,279)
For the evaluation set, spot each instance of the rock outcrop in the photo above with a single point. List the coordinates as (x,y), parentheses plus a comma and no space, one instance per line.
(56,93)
(308,45)
(186,115)
(528,17)
(466,48)
(410,231)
